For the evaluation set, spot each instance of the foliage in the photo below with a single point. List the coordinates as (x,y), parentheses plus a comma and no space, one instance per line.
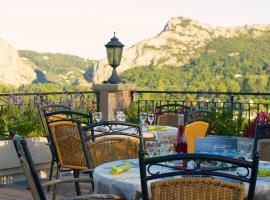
(26,121)
(60,68)
(226,64)
(131,114)
(227,122)
(261,118)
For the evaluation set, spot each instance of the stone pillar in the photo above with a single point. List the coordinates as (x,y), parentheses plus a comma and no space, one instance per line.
(113,97)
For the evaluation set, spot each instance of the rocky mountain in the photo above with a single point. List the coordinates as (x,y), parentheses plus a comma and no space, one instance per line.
(13,69)
(60,68)
(181,39)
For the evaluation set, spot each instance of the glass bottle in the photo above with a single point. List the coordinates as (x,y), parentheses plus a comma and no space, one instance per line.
(181,145)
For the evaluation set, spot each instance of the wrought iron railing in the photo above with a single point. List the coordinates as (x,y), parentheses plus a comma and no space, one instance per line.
(20,109)
(245,105)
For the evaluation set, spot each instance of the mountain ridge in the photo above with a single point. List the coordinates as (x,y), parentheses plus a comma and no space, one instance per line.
(180,40)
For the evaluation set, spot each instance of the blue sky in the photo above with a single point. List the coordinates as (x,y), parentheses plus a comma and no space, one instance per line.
(82,27)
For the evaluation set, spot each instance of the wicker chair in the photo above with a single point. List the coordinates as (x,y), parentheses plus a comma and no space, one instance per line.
(196,188)
(110,141)
(264,149)
(42,111)
(34,182)
(199,115)
(197,182)
(167,114)
(167,120)
(261,132)
(193,130)
(66,141)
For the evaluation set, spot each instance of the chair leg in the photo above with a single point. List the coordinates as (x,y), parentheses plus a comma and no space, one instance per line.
(51,172)
(54,188)
(76,174)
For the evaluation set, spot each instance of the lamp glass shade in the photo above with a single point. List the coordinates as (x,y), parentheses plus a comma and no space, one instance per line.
(114,55)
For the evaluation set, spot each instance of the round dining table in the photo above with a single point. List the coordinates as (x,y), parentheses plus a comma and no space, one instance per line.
(128,185)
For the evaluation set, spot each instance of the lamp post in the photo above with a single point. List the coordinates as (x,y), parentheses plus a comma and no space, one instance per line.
(114,50)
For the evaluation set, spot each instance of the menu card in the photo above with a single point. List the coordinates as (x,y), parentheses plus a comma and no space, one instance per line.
(216,145)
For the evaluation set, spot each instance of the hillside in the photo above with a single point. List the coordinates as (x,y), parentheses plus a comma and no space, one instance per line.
(60,68)
(13,70)
(181,40)
(239,63)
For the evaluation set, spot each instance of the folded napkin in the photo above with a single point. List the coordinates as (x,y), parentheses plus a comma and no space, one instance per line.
(264,172)
(157,128)
(121,168)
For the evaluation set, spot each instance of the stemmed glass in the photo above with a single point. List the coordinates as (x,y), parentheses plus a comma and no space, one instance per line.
(151,147)
(151,118)
(245,150)
(164,146)
(120,116)
(98,116)
(143,117)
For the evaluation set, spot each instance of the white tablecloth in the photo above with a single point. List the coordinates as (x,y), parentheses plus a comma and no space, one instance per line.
(170,133)
(128,183)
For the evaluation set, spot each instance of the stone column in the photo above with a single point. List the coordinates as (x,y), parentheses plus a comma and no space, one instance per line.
(113,97)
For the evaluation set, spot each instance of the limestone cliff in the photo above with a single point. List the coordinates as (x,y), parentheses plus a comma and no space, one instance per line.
(180,40)
(13,70)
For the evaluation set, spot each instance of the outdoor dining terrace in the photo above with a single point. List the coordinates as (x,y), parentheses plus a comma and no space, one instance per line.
(113,154)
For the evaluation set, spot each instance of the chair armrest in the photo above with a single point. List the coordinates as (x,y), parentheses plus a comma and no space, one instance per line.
(95,197)
(67,180)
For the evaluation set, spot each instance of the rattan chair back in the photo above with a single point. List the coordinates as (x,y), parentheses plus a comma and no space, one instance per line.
(171,108)
(199,115)
(112,148)
(196,189)
(262,132)
(68,146)
(66,141)
(200,180)
(167,120)
(264,149)
(193,130)
(110,141)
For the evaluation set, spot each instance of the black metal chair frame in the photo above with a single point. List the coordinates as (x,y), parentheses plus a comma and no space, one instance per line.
(46,109)
(262,131)
(199,115)
(146,164)
(112,129)
(171,108)
(21,147)
(61,116)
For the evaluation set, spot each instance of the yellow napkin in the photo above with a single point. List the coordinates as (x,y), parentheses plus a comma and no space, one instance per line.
(157,128)
(264,172)
(121,168)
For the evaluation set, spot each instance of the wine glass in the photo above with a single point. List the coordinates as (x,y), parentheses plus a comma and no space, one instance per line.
(151,117)
(164,146)
(245,149)
(143,117)
(98,116)
(151,147)
(119,114)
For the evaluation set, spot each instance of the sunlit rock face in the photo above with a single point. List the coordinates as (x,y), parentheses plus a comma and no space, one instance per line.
(13,70)
(179,41)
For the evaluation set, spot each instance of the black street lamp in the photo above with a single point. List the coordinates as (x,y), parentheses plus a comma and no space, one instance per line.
(114,50)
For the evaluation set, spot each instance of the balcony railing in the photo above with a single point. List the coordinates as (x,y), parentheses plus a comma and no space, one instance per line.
(243,104)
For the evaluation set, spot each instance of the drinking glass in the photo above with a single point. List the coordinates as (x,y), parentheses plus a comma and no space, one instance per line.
(151,118)
(164,146)
(119,115)
(245,149)
(151,147)
(143,117)
(98,116)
